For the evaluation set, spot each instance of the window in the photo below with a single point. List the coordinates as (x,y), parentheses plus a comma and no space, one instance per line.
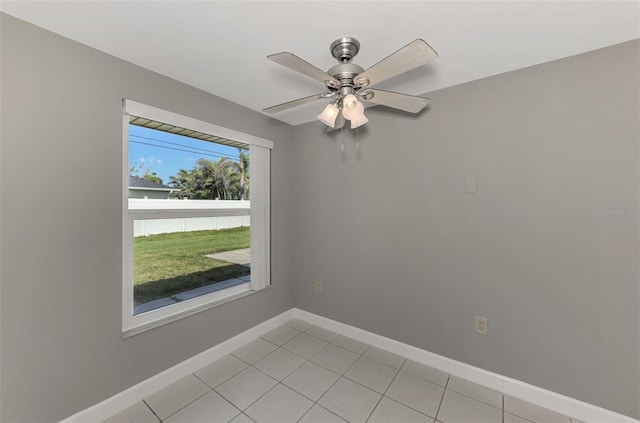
(196,216)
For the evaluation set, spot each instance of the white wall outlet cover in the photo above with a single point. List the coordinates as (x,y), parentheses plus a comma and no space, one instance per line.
(482,325)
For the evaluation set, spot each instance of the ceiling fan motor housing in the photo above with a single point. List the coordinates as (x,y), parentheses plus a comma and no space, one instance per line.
(345,73)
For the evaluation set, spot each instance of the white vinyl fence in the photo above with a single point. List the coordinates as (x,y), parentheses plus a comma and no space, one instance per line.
(238,210)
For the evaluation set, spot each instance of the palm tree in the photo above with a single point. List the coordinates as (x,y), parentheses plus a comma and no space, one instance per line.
(224,179)
(183,181)
(243,171)
(204,175)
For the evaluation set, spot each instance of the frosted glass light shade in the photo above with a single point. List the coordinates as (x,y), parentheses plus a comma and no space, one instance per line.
(359,120)
(329,115)
(351,107)
(349,100)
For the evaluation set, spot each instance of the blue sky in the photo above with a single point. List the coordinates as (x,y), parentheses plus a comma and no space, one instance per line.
(166,153)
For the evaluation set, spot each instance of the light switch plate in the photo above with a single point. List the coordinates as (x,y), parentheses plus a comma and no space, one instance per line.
(472,185)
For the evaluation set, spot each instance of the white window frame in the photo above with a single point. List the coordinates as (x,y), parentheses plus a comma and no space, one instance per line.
(260,186)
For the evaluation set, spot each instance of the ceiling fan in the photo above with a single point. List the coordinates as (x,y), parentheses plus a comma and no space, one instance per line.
(346,82)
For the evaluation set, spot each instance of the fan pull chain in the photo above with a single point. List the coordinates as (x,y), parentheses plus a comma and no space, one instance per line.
(342,138)
(358,137)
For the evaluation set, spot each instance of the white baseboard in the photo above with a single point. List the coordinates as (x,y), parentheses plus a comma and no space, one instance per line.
(559,403)
(137,393)
(550,400)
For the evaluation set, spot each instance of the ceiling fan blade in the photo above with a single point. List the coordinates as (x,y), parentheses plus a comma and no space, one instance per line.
(295,63)
(411,56)
(293,103)
(408,103)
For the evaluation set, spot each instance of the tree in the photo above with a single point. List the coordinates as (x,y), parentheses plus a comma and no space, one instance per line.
(182,180)
(153,177)
(224,179)
(135,169)
(243,171)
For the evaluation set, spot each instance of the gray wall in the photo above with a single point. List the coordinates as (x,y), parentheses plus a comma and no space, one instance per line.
(403,251)
(61,162)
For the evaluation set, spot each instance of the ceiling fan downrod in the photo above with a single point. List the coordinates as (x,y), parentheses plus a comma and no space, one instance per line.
(344,50)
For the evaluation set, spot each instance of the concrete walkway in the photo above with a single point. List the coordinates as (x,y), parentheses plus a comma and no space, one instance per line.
(242,257)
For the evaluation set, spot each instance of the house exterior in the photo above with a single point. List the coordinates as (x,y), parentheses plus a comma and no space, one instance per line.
(142,188)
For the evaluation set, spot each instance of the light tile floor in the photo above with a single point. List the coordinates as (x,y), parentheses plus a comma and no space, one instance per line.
(307,374)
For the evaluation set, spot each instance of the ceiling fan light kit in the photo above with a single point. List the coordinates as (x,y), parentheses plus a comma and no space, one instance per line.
(329,115)
(347,81)
(353,111)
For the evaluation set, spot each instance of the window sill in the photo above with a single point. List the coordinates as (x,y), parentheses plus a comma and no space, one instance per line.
(161,321)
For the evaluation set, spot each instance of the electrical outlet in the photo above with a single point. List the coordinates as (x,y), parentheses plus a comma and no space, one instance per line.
(482,325)
(318,286)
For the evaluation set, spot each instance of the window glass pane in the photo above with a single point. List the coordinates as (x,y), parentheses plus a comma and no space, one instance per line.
(166,165)
(179,265)
(179,258)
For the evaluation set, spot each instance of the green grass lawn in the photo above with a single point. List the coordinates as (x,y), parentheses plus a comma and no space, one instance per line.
(167,264)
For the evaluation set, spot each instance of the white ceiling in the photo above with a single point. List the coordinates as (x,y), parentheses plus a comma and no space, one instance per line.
(220,47)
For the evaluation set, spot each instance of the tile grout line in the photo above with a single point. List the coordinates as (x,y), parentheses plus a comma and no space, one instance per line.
(289,340)
(230,403)
(277,381)
(316,404)
(442,399)
(288,374)
(360,355)
(479,400)
(257,399)
(317,337)
(211,389)
(306,360)
(323,394)
(190,402)
(214,387)
(424,380)
(325,346)
(242,411)
(337,346)
(398,371)
(385,391)
(154,413)
(328,389)
(355,381)
(336,381)
(366,387)
(311,399)
(280,382)
(404,359)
